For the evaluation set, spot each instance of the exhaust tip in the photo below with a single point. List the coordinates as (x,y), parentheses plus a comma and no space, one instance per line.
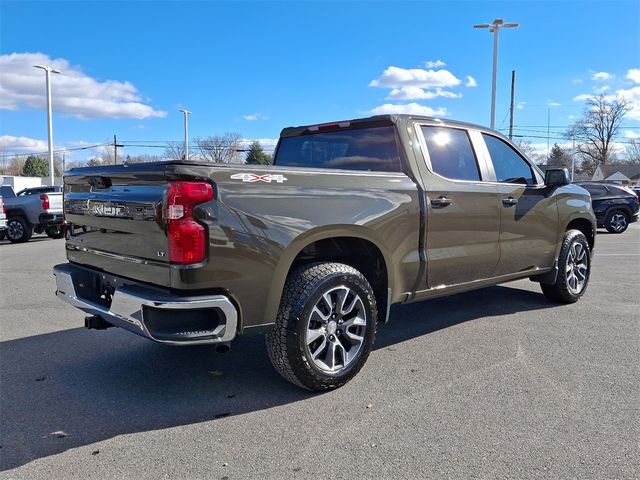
(222,348)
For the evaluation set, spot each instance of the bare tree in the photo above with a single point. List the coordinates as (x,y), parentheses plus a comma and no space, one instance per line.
(525,147)
(632,152)
(595,133)
(174,151)
(220,148)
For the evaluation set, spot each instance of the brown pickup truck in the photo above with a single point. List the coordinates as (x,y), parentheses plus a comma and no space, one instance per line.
(352,217)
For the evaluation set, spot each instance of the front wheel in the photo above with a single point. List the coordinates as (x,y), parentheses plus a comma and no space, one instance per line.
(54,232)
(616,221)
(574,268)
(325,326)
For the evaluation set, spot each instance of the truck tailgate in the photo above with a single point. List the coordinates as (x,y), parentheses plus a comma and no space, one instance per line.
(115,221)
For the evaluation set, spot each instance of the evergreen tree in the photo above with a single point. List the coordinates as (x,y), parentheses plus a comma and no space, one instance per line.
(257,155)
(35,167)
(558,157)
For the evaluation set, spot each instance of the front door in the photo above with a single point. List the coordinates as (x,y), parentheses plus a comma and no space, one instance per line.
(529,216)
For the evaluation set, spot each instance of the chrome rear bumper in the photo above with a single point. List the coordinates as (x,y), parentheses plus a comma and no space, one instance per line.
(127,308)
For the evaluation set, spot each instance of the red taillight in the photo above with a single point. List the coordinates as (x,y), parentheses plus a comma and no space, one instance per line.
(187,238)
(45,202)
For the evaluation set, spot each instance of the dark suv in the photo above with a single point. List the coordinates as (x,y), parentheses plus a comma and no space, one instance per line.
(615,206)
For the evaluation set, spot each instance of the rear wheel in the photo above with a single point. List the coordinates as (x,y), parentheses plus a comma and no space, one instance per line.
(574,267)
(54,232)
(18,230)
(616,221)
(325,326)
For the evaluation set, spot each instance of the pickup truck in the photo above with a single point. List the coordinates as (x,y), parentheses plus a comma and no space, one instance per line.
(32,210)
(352,217)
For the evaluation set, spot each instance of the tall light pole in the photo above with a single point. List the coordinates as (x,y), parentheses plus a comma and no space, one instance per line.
(186,132)
(495,27)
(49,71)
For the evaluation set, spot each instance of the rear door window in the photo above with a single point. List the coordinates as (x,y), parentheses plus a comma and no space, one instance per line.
(451,153)
(508,164)
(369,149)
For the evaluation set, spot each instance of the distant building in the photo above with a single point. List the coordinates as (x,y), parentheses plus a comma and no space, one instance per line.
(18,182)
(621,174)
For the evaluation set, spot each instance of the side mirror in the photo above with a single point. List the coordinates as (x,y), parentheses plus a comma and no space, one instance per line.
(556,177)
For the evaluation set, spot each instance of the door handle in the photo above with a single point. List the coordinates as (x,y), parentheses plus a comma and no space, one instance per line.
(440,202)
(509,202)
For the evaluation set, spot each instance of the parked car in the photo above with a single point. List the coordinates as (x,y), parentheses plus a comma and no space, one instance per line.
(615,206)
(636,190)
(352,217)
(33,210)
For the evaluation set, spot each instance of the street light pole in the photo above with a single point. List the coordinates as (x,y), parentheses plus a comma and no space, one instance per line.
(49,71)
(495,27)
(186,132)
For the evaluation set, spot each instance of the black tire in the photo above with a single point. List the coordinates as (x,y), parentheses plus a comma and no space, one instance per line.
(18,230)
(617,221)
(3,234)
(305,290)
(567,288)
(54,232)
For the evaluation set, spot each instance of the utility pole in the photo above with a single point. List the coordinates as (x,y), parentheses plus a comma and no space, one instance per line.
(548,131)
(186,132)
(48,70)
(494,28)
(513,96)
(115,150)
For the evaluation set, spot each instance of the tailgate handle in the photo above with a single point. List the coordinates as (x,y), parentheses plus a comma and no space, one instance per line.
(99,182)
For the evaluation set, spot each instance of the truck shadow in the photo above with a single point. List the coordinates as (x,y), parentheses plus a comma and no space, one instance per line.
(75,387)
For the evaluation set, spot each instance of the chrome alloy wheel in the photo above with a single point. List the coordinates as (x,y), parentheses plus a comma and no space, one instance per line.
(336,329)
(618,222)
(576,268)
(15,230)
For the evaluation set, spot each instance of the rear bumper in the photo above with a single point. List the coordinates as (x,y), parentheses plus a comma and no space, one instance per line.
(51,219)
(151,313)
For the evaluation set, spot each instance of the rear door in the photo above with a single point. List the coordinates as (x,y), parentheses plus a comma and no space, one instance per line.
(528,213)
(463,214)
(115,221)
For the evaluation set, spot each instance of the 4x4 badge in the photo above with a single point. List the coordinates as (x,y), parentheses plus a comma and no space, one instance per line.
(252,178)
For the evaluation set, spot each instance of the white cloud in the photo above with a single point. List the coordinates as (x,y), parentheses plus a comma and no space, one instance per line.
(601,76)
(396,77)
(436,64)
(73,92)
(602,89)
(631,135)
(9,143)
(417,93)
(582,97)
(409,108)
(634,75)
(577,81)
(252,117)
(553,104)
(520,105)
(471,82)
(631,95)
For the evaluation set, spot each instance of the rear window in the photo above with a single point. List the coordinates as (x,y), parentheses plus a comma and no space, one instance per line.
(372,149)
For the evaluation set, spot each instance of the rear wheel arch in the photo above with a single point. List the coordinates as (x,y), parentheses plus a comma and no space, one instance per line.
(314,247)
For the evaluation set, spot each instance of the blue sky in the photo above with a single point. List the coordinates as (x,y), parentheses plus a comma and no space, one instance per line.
(256,67)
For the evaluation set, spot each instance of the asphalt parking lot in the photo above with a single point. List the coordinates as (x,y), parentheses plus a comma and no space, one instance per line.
(497,383)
